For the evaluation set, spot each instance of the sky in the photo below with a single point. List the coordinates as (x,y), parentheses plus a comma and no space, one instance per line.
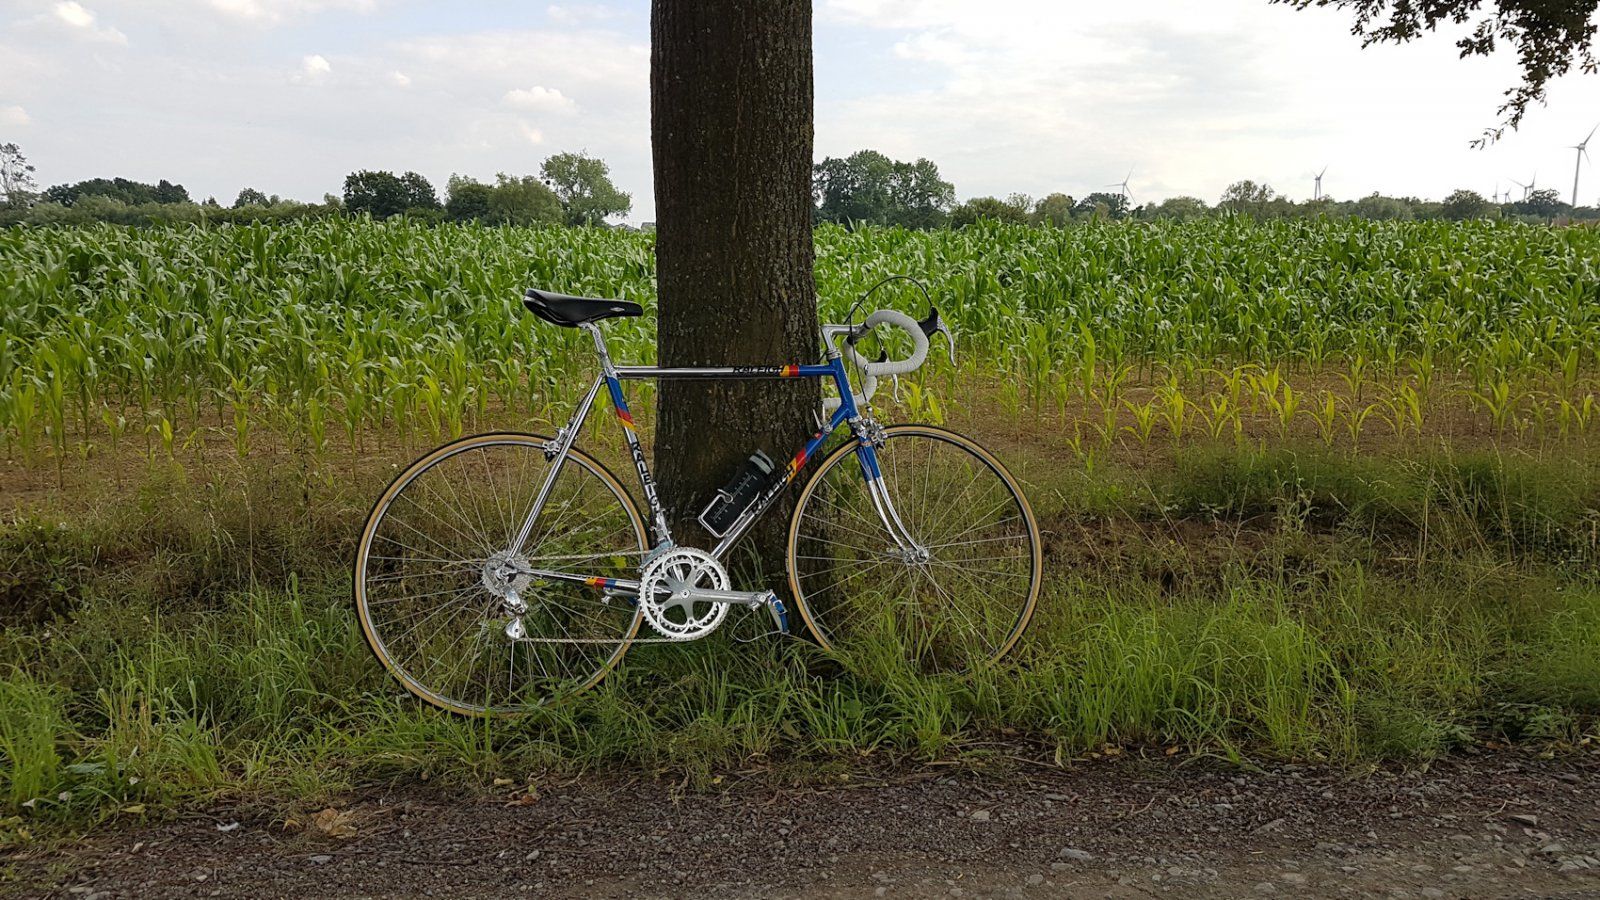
(288,96)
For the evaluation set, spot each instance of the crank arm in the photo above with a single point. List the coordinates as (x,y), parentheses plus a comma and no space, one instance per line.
(739,598)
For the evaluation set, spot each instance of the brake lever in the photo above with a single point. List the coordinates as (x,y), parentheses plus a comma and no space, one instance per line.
(932,325)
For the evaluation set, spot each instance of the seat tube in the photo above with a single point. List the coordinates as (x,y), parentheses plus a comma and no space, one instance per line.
(647,482)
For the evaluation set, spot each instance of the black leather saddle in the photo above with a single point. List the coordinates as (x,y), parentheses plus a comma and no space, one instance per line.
(570,312)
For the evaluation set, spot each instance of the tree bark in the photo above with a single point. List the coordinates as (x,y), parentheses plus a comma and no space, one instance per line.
(731,122)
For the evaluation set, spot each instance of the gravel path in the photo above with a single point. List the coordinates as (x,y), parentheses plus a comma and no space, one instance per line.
(1496,826)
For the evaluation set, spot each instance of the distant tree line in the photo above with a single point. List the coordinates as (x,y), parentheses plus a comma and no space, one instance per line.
(868,187)
(575,189)
(571,189)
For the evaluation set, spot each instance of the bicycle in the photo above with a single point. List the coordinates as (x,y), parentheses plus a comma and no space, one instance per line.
(504,571)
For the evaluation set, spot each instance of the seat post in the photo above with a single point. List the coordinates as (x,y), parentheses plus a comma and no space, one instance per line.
(600,348)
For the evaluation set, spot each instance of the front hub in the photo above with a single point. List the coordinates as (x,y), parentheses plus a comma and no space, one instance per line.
(911,556)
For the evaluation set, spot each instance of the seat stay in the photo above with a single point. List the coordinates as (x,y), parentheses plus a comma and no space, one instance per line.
(556,451)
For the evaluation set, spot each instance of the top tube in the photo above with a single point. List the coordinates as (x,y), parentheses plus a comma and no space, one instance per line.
(724,372)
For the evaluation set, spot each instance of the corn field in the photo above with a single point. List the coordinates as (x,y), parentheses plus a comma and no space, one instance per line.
(334,329)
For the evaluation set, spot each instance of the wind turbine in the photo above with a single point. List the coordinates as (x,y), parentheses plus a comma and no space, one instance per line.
(1583,153)
(1318,195)
(1526,188)
(1123,184)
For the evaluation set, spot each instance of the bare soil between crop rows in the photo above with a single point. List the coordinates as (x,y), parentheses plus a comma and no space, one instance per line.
(1498,825)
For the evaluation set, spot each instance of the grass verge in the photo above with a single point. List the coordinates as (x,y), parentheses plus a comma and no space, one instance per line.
(197,640)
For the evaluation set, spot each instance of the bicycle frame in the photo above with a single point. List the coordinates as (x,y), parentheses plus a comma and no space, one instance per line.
(612,376)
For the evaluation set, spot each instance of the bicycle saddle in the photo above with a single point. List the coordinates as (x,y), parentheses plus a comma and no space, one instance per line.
(569,312)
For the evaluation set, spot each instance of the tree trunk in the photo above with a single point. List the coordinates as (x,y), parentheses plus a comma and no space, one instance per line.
(731,121)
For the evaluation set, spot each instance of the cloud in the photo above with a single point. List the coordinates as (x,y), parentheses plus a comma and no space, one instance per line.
(75,15)
(1004,95)
(293,111)
(82,22)
(933,47)
(313,69)
(1009,95)
(541,99)
(578,15)
(274,12)
(902,13)
(1013,95)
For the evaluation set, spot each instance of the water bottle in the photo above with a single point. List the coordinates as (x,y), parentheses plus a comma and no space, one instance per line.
(732,500)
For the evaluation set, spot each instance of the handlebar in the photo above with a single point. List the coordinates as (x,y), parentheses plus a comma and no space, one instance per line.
(900,320)
(920,333)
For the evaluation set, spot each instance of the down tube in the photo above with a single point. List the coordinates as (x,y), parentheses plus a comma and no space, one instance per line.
(796,463)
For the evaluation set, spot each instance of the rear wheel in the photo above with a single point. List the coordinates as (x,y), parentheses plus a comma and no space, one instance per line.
(959,596)
(438,592)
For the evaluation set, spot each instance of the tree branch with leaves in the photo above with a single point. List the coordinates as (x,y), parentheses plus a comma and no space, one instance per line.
(1549,37)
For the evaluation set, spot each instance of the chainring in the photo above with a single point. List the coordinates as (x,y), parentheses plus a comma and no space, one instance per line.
(662,588)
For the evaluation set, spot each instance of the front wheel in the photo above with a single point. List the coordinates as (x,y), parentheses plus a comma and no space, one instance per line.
(953,590)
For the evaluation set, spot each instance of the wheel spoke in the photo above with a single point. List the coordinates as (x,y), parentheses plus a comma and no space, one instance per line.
(434,576)
(966,601)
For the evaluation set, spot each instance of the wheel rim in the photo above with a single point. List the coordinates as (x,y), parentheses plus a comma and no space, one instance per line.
(966,603)
(434,573)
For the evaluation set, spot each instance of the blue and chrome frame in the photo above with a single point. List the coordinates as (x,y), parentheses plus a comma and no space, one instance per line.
(847,414)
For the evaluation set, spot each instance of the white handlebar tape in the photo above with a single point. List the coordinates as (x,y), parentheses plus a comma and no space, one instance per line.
(871,370)
(905,323)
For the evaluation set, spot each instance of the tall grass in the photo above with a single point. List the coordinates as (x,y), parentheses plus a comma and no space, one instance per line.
(32,724)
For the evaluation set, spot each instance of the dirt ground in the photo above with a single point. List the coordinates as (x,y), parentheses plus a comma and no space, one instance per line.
(1500,825)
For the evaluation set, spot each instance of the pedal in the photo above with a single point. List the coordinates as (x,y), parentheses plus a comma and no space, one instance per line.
(780,615)
(780,618)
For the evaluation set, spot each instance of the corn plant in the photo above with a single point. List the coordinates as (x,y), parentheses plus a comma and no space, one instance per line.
(418,331)
(1174,407)
(1325,413)
(1355,420)
(1145,416)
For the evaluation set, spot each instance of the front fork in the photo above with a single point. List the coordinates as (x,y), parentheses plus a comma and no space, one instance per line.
(871,438)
